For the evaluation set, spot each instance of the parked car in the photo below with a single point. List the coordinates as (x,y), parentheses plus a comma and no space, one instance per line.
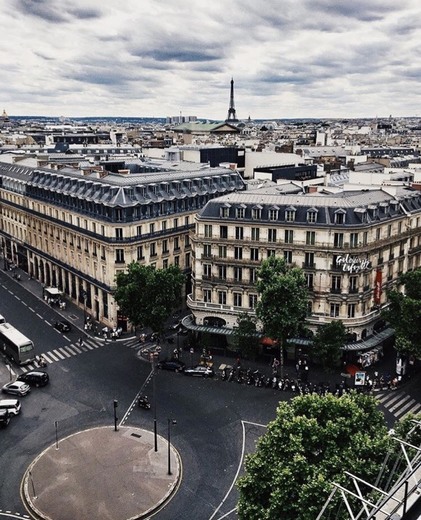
(35,378)
(12,406)
(16,388)
(171,364)
(199,370)
(62,326)
(4,417)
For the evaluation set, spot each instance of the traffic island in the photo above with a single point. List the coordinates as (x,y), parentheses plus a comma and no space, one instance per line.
(101,473)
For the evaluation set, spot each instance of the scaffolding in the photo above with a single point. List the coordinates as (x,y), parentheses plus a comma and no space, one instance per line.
(394,500)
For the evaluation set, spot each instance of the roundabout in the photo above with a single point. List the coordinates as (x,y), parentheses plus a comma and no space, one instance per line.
(102,473)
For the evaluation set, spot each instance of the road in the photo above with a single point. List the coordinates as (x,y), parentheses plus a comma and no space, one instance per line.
(217,422)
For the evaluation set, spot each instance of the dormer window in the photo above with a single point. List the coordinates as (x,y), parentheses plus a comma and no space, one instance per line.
(256,212)
(273,214)
(312,215)
(240,211)
(225,211)
(290,214)
(373,210)
(339,216)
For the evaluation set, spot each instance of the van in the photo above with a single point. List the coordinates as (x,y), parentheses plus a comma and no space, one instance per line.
(2,319)
(11,405)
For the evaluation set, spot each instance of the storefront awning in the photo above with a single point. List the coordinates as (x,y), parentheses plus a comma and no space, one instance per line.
(371,342)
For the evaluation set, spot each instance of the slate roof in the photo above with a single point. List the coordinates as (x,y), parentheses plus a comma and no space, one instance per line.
(358,207)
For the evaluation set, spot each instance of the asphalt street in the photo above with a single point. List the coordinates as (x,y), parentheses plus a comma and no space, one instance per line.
(218,423)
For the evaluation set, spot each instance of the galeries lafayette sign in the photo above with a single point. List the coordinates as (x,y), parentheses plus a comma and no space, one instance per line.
(352,264)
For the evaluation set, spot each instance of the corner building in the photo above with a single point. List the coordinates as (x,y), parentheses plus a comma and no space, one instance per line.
(352,246)
(76,231)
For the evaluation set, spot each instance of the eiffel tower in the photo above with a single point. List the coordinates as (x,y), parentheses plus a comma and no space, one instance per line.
(232,117)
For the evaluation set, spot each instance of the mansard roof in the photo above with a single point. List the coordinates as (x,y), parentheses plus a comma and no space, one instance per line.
(123,190)
(357,207)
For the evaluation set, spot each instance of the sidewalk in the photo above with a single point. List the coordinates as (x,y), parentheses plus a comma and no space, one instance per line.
(101,473)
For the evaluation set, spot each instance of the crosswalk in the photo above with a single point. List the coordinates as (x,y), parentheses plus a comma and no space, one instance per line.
(141,349)
(62,353)
(398,403)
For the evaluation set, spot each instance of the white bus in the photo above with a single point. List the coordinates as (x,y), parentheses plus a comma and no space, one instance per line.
(15,345)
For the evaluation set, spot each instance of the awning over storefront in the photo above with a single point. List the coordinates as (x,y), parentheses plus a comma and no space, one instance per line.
(371,342)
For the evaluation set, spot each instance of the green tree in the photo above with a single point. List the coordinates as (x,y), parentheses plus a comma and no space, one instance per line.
(147,296)
(282,306)
(404,313)
(246,338)
(328,341)
(309,445)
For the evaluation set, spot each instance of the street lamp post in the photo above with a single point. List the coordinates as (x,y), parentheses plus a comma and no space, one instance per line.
(155,433)
(115,415)
(170,422)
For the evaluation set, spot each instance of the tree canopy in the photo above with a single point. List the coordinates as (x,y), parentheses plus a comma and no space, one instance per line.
(328,341)
(147,296)
(283,293)
(310,444)
(404,313)
(247,341)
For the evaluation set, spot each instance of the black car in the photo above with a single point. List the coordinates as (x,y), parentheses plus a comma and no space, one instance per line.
(4,417)
(171,364)
(35,378)
(62,326)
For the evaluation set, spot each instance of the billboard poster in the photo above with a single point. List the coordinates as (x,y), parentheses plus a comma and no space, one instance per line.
(359,379)
(378,287)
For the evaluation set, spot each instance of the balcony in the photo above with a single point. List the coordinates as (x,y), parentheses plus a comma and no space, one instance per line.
(335,290)
(308,265)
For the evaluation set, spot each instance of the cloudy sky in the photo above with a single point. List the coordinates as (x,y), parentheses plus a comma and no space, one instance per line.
(288,58)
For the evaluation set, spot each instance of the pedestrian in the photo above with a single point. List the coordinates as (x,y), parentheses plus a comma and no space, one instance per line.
(80,342)
(275,366)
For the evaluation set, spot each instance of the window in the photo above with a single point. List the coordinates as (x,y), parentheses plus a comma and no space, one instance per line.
(311,216)
(140,253)
(165,247)
(309,280)
(176,222)
(365,238)
(288,257)
(186,221)
(103,252)
(252,301)
(290,215)
(152,249)
(165,263)
(239,233)
(238,253)
(139,231)
(253,275)
(119,256)
(208,230)
(222,272)
(238,299)
(222,251)
(389,230)
(336,283)
(176,243)
(310,238)
(119,233)
(273,214)
(164,225)
(271,252)
(254,254)
(309,260)
(187,260)
(223,231)
(256,213)
(207,270)
(338,239)
(271,235)
(289,236)
(334,310)
(222,297)
(255,234)
(378,233)
(238,274)
(353,240)
(353,284)
(186,241)
(340,218)
(177,260)
(351,310)
(240,212)
(207,250)
(207,295)
(225,212)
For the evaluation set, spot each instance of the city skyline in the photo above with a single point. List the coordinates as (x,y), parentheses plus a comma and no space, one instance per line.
(314,59)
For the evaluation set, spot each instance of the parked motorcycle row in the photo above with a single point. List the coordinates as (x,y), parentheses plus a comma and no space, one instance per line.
(294,385)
